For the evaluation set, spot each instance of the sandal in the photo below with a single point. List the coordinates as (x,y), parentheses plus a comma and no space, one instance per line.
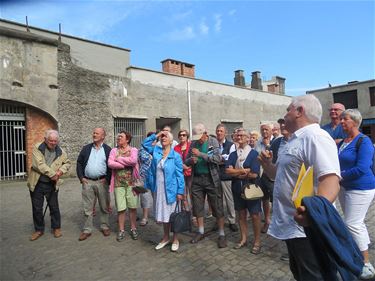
(256,249)
(240,245)
(143,222)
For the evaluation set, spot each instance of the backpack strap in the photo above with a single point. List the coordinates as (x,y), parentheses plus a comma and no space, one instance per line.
(359,141)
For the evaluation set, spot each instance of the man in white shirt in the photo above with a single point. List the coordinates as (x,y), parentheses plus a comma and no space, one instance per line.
(312,146)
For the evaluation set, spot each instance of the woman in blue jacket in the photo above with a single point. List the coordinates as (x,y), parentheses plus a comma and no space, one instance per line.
(358,183)
(166,182)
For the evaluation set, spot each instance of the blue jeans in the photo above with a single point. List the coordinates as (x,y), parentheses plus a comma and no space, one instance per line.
(47,190)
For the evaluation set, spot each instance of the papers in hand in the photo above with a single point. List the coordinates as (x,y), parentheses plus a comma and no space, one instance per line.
(304,185)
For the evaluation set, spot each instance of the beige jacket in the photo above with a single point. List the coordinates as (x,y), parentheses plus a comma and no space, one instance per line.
(39,166)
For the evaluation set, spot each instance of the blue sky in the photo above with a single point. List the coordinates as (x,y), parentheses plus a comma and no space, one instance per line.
(310,43)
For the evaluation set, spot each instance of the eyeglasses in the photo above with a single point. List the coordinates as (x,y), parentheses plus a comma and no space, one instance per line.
(182,135)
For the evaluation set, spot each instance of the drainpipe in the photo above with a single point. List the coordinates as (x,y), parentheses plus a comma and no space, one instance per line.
(189,107)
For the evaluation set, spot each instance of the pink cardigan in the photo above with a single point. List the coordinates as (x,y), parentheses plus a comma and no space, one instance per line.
(118,163)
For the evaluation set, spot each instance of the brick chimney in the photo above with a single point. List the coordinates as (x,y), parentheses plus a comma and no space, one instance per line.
(239,78)
(273,88)
(256,81)
(178,67)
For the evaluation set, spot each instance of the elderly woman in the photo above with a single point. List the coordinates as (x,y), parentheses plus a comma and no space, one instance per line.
(244,168)
(358,182)
(123,160)
(254,137)
(166,182)
(183,148)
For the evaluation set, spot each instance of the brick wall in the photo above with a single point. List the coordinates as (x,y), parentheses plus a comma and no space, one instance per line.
(37,122)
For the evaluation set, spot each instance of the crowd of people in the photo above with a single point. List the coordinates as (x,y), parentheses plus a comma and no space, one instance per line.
(212,170)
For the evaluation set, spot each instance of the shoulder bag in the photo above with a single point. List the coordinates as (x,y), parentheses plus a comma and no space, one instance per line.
(180,219)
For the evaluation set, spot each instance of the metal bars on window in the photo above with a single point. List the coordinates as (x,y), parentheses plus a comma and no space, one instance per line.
(136,127)
(12,142)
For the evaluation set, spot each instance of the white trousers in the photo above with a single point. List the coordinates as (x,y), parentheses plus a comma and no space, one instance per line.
(355,204)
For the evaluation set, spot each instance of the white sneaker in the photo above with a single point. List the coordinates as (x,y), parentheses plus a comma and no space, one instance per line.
(368,272)
(161,245)
(175,246)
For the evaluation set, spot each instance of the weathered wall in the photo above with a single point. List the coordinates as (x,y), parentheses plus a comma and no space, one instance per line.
(84,103)
(85,53)
(364,106)
(28,71)
(163,94)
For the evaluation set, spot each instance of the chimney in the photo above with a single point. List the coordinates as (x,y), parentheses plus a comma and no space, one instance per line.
(281,82)
(256,81)
(273,88)
(239,78)
(178,67)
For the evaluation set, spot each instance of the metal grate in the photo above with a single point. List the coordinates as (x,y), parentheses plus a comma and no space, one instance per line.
(12,142)
(12,150)
(136,127)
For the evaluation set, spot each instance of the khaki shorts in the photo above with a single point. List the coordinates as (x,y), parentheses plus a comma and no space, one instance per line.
(201,187)
(125,198)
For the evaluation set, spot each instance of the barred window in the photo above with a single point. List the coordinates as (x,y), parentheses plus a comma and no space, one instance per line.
(136,127)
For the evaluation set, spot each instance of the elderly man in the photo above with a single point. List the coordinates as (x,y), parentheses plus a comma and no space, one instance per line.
(226,148)
(49,163)
(334,128)
(204,156)
(311,145)
(94,175)
(266,182)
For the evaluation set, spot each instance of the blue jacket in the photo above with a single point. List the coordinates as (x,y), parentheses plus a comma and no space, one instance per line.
(173,170)
(333,245)
(356,165)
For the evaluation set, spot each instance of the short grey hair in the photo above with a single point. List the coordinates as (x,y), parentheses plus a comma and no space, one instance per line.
(354,114)
(245,132)
(311,106)
(51,132)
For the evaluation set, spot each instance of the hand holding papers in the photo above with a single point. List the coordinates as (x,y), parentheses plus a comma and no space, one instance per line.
(304,185)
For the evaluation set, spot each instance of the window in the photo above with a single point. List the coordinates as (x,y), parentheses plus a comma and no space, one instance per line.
(230,128)
(348,98)
(372,95)
(136,127)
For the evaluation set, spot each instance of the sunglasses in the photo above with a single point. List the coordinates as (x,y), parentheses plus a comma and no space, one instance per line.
(182,135)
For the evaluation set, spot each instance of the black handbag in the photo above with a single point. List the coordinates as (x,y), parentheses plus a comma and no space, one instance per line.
(180,219)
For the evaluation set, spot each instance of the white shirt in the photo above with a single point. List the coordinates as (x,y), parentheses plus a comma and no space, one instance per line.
(314,147)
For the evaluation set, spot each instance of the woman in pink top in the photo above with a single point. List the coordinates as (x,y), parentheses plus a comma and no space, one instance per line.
(123,160)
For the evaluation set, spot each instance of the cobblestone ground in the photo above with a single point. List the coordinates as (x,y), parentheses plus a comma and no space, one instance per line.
(103,258)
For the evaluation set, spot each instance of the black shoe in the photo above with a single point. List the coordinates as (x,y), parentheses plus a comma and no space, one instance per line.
(222,242)
(233,227)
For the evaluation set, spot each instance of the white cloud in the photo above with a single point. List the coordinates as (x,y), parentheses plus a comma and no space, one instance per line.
(181,16)
(185,33)
(203,27)
(218,22)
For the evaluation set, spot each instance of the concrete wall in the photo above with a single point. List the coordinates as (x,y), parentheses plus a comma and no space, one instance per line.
(88,54)
(163,94)
(28,71)
(364,106)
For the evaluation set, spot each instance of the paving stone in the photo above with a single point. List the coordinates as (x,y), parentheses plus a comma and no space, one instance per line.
(103,258)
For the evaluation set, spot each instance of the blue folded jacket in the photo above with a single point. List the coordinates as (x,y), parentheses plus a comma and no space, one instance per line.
(333,245)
